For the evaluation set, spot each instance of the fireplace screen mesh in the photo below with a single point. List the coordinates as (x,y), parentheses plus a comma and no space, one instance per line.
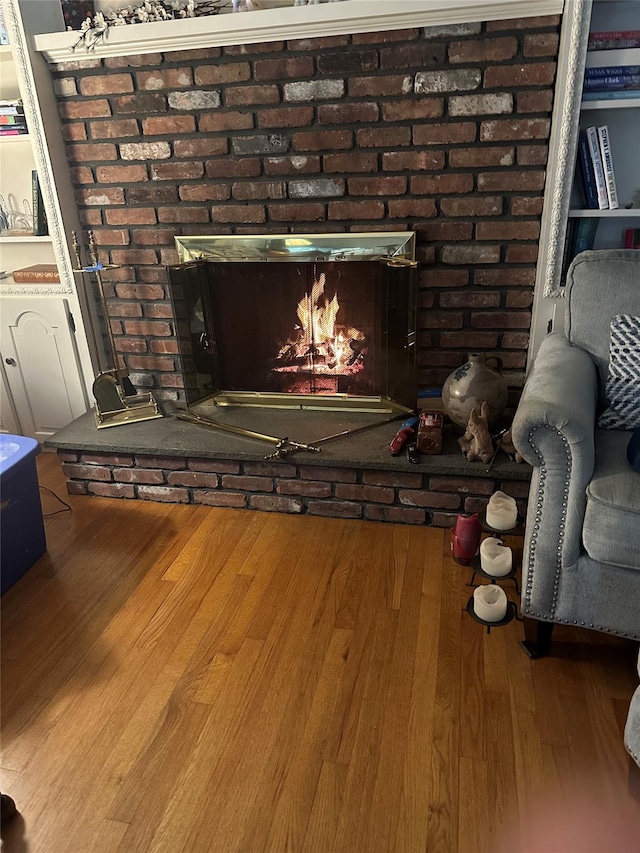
(297,327)
(310,336)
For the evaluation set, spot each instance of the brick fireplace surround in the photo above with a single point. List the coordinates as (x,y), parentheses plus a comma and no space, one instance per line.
(442,130)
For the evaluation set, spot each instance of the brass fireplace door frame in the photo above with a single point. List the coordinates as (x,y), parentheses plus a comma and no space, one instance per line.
(197,253)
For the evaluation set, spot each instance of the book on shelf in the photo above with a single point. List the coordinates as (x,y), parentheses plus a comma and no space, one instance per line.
(568,248)
(615,81)
(13,131)
(587,175)
(580,238)
(611,71)
(4,35)
(631,238)
(613,39)
(607,164)
(40,227)
(611,95)
(598,167)
(610,58)
(37,273)
(11,108)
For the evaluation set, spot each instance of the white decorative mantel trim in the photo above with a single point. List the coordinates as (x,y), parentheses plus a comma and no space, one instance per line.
(289,22)
(563,142)
(548,302)
(16,289)
(66,287)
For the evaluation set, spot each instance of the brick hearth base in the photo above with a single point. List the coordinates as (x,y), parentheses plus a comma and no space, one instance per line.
(175,462)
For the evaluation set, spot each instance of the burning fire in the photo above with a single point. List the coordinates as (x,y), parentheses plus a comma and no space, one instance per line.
(320,344)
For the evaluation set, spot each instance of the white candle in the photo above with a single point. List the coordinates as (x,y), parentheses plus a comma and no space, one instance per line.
(496,558)
(490,603)
(502,511)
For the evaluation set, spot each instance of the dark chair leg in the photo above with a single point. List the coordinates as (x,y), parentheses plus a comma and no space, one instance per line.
(537,638)
(634,780)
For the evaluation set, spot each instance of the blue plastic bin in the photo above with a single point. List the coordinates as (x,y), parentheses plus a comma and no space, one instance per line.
(22,538)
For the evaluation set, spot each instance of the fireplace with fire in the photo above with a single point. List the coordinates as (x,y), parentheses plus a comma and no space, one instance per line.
(298,321)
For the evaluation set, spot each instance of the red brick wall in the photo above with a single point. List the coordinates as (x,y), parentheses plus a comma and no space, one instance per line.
(394,496)
(441,130)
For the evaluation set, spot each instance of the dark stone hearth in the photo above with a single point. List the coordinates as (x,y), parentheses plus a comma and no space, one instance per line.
(354,477)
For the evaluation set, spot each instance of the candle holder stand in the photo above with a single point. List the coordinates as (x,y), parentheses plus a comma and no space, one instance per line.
(511,614)
(476,565)
(517,530)
(478,570)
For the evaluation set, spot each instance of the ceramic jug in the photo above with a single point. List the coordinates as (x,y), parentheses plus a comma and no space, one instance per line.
(472,384)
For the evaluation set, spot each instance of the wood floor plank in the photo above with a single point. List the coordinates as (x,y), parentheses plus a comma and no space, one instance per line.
(442,825)
(384,809)
(200,780)
(206,564)
(551,722)
(327,806)
(365,755)
(157,768)
(295,798)
(504,807)
(241,758)
(415,797)
(270,755)
(210,680)
(472,690)
(401,536)
(474,830)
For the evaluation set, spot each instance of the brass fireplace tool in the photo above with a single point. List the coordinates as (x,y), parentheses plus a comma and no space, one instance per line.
(283,446)
(116,400)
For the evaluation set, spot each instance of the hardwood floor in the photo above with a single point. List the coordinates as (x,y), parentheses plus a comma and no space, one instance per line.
(184,678)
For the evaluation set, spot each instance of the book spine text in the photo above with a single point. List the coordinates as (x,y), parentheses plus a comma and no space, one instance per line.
(598,168)
(607,163)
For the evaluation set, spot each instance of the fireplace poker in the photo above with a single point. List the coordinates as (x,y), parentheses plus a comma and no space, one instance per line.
(116,400)
(96,268)
(291,447)
(354,430)
(283,445)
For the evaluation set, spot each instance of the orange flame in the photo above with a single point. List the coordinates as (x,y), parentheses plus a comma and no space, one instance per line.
(317,322)
(327,346)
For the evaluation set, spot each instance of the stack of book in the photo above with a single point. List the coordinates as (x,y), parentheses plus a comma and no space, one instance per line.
(581,235)
(40,225)
(595,162)
(37,274)
(595,165)
(631,238)
(612,66)
(12,120)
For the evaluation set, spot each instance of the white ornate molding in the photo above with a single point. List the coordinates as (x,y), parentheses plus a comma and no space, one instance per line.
(37,137)
(16,289)
(289,22)
(562,145)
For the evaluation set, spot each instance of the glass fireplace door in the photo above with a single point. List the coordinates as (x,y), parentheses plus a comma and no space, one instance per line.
(297,331)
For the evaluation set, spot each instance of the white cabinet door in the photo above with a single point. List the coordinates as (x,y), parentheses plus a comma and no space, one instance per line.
(41,364)
(8,420)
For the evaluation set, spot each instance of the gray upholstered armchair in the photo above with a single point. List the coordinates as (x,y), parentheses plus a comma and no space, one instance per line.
(582,540)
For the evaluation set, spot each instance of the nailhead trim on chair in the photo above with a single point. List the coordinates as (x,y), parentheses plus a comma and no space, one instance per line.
(527,612)
(526,604)
(538,517)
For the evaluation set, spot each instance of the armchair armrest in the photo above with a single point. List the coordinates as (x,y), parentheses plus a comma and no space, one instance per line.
(554,430)
(561,392)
